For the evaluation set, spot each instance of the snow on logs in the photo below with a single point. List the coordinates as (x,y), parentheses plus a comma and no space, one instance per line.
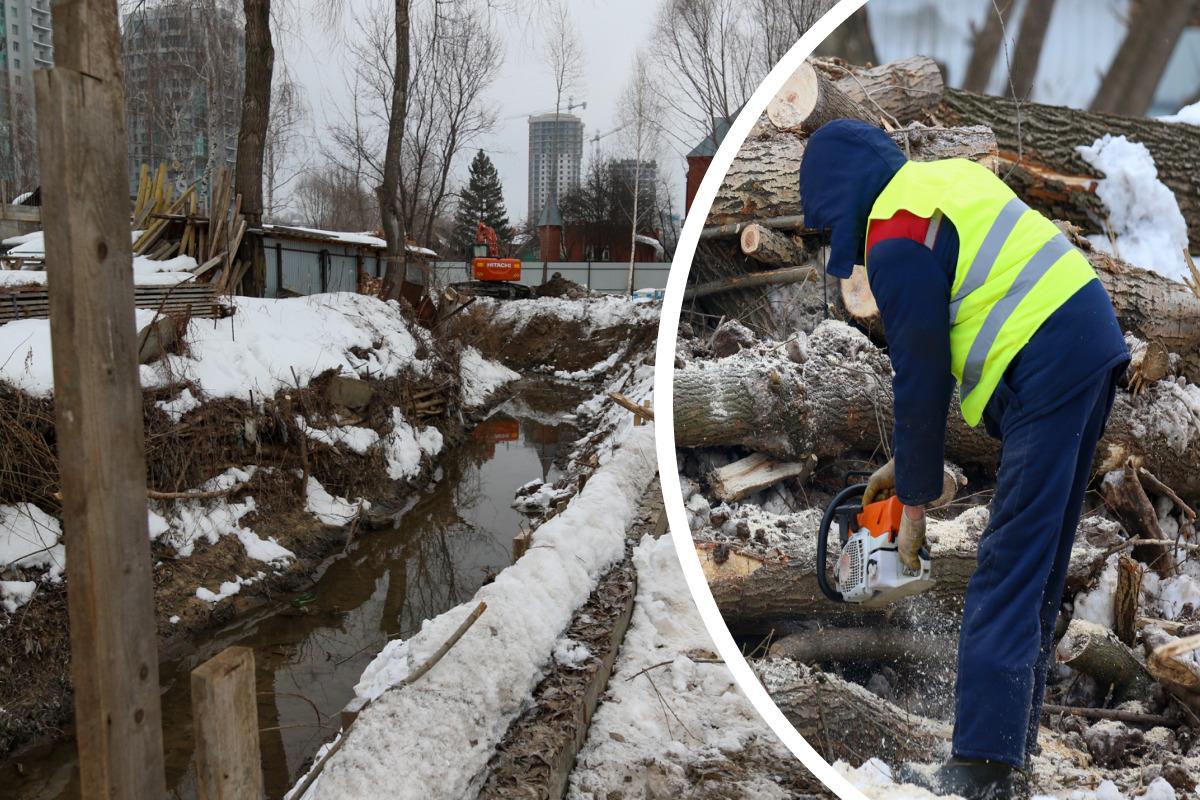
(839,400)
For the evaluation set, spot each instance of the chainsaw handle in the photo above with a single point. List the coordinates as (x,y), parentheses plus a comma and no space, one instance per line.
(823,538)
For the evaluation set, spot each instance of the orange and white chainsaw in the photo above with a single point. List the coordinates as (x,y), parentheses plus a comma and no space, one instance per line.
(869,570)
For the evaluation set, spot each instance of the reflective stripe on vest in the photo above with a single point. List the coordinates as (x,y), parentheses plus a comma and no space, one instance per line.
(1014,269)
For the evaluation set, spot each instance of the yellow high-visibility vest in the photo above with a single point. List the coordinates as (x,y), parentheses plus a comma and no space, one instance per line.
(1015,268)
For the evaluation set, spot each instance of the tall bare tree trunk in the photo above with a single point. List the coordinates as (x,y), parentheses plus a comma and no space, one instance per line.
(1129,85)
(851,40)
(637,179)
(985,45)
(252,134)
(1028,50)
(395,280)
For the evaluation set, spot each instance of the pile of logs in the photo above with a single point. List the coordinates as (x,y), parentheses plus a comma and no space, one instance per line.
(178,226)
(775,403)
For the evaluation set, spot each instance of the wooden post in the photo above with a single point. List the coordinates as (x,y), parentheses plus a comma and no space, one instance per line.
(98,406)
(225,722)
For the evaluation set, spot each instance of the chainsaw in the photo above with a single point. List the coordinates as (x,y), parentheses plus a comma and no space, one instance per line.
(869,570)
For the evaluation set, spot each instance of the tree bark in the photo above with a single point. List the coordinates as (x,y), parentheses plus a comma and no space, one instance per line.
(1028,50)
(1046,148)
(256,116)
(908,90)
(392,216)
(858,644)
(838,717)
(770,247)
(985,46)
(1132,80)
(1096,651)
(808,100)
(840,400)
(762,181)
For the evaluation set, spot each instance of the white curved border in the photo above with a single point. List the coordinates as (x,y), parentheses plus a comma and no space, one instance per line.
(664,405)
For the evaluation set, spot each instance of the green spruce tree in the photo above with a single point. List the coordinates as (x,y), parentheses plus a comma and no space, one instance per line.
(481,199)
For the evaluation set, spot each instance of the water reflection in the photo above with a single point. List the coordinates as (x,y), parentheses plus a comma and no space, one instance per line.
(310,650)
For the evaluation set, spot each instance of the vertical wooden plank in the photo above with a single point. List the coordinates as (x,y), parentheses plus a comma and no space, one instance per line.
(98,405)
(225,723)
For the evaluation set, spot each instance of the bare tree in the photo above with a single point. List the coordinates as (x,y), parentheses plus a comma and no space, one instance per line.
(986,40)
(1154,29)
(288,115)
(332,197)
(640,114)
(252,133)
(395,278)
(1028,50)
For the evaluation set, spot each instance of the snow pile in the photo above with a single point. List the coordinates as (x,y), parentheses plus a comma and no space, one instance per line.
(481,377)
(190,522)
(228,588)
(269,345)
(874,779)
(358,440)
(1188,115)
(446,727)
(658,720)
(30,538)
(331,510)
(595,313)
(594,371)
(404,446)
(26,362)
(1143,213)
(14,594)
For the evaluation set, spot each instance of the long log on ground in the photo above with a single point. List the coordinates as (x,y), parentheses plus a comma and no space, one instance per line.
(839,400)
(1050,134)
(749,280)
(843,720)
(1096,651)
(762,180)
(758,593)
(858,644)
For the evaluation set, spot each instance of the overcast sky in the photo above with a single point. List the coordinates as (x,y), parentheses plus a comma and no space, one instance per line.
(611,33)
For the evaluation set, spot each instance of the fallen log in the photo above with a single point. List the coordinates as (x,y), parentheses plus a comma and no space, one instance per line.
(1048,136)
(1132,717)
(1166,663)
(839,401)
(858,644)
(1125,496)
(904,91)
(749,280)
(758,593)
(754,473)
(843,720)
(769,246)
(1096,651)
(762,180)
(808,99)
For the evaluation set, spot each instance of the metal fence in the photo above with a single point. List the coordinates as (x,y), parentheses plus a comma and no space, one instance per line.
(306,268)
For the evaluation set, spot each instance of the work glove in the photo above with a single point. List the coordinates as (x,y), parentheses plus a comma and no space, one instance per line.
(910,540)
(882,483)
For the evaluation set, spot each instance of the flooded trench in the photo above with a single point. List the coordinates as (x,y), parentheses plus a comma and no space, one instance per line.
(310,648)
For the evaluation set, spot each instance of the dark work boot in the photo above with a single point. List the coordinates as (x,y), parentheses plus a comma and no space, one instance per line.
(970,778)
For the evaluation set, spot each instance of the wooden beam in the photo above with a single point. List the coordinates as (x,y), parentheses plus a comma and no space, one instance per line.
(98,406)
(225,723)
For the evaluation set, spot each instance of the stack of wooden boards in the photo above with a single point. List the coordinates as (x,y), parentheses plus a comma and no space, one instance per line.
(179,227)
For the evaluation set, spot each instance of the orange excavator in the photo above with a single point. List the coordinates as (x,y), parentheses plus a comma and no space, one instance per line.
(493,274)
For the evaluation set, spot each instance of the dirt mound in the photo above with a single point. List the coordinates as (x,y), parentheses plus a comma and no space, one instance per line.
(558,286)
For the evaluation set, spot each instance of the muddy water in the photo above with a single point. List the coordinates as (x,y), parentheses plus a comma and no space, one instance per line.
(311,648)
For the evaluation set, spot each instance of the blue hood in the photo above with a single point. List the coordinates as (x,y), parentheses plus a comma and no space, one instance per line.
(846,165)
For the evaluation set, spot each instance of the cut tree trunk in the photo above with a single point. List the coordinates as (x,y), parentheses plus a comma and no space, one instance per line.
(770,247)
(843,720)
(1056,175)
(754,473)
(750,280)
(762,181)
(840,401)
(1096,651)
(904,91)
(1165,663)
(1125,496)
(858,644)
(808,100)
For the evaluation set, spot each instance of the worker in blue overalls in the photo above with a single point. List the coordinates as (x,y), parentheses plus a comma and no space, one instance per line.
(972,285)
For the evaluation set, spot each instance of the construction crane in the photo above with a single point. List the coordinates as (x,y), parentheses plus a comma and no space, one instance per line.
(596,139)
(571,106)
